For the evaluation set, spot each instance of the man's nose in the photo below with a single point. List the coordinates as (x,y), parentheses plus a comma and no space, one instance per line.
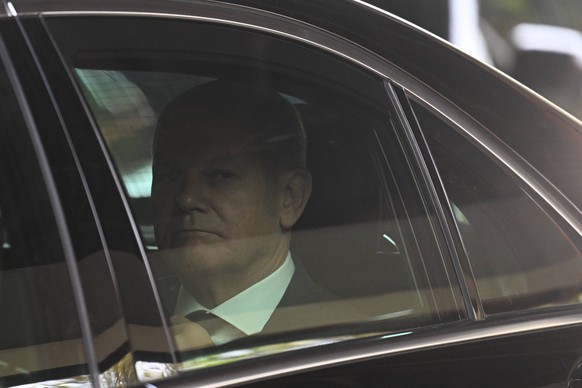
(191,197)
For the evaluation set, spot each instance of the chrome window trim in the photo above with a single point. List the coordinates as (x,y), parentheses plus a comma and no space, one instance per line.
(469,295)
(382,345)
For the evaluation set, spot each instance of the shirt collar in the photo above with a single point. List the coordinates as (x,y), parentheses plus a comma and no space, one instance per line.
(250,310)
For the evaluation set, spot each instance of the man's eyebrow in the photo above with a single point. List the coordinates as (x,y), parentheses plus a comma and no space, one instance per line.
(161,162)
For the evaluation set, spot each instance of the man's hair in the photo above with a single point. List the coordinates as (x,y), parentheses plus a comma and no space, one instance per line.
(252,109)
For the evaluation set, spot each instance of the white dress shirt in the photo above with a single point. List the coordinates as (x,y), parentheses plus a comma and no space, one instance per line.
(248,311)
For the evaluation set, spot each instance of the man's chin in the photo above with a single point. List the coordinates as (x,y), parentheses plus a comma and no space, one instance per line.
(188,259)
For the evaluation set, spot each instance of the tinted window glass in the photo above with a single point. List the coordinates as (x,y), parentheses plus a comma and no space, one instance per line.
(521,256)
(244,220)
(349,219)
(40,336)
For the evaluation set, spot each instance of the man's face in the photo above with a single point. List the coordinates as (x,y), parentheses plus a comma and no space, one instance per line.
(216,211)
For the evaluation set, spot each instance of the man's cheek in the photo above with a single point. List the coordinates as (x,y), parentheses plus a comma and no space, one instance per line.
(162,211)
(162,231)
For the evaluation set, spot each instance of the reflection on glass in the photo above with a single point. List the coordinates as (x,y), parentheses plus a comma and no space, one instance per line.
(124,115)
(521,257)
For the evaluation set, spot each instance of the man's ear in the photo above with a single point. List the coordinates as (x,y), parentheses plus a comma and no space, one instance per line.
(296,189)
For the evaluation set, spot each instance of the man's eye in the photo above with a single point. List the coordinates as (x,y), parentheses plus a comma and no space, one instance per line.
(220,176)
(167,177)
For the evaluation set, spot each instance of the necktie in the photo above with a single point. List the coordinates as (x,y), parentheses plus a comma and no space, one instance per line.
(219,330)
(204,318)
(189,335)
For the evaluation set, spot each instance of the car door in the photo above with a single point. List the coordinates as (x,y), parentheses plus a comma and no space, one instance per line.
(384,229)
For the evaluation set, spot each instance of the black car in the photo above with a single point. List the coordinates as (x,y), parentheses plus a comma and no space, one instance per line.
(445,206)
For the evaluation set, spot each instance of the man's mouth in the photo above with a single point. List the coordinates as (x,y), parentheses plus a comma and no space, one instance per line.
(196,235)
(195,231)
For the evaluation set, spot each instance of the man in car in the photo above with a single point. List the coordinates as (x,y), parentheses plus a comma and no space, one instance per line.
(229,183)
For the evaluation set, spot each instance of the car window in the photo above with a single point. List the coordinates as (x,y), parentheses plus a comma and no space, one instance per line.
(521,256)
(255,160)
(39,329)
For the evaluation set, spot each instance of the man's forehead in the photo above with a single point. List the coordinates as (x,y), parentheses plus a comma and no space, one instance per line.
(206,150)
(190,126)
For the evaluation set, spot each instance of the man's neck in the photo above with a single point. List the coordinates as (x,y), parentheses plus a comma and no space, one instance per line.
(212,290)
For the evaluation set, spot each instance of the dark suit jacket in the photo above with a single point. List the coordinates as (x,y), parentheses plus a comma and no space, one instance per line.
(304,304)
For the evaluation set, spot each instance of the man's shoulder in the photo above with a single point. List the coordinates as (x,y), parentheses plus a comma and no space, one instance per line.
(307,304)
(302,289)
